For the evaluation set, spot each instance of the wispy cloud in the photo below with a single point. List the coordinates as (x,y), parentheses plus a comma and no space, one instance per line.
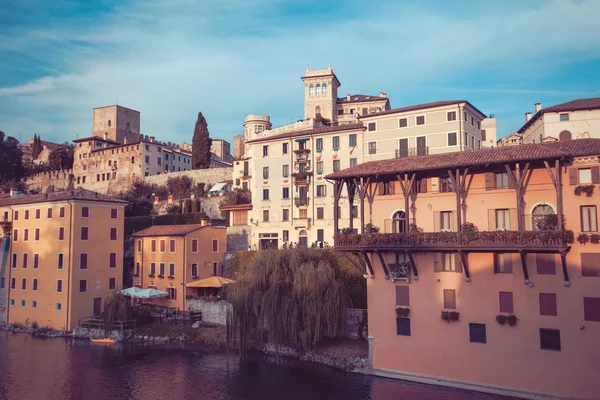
(171,59)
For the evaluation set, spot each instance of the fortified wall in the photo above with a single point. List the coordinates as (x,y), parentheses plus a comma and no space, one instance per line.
(209,175)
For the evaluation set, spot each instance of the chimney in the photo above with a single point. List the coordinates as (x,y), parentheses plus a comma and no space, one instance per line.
(152,139)
(348,97)
(105,135)
(527,116)
(538,107)
(383,94)
(125,140)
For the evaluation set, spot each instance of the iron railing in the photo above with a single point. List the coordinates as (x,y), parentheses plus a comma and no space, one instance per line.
(412,152)
(301,201)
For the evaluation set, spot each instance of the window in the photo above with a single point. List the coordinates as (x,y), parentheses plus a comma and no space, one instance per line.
(15,235)
(266,215)
(446,221)
(49,213)
(34,285)
(548,304)
(161,270)
(16,215)
(452,139)
(58,306)
(285,215)
(37,213)
(503,263)
(451,116)
(372,126)
(82,285)
(23,283)
(195,270)
(13,283)
(403,326)
(215,245)
(113,233)
(171,269)
(265,194)
(60,261)
(36,235)
(12,302)
(265,151)
(590,264)
(321,190)
(335,143)
(112,260)
(320,212)
(502,220)
(286,193)
(506,302)
(591,309)
(589,220)
(137,269)
(1,282)
(402,296)
(466,139)
(25,235)
(352,140)
(421,120)
(545,264)
(286,171)
(585,176)
(284,148)
(152,268)
(172,245)
(445,185)
(319,145)
(265,172)
(25,260)
(353,162)
(22,303)
(61,212)
(84,233)
(36,261)
(147,159)
(550,339)
(449,299)
(286,236)
(564,117)
(320,167)
(318,89)
(172,293)
(483,135)
(194,245)
(33,304)
(113,213)
(153,246)
(85,212)
(59,286)
(354,211)
(477,333)
(112,283)
(472,121)
(26,214)
(14,260)
(449,262)
(372,147)
(501,180)
(403,122)
(320,235)
(83,261)
(336,165)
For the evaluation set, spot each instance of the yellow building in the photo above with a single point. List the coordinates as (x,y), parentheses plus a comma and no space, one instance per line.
(65,256)
(169,257)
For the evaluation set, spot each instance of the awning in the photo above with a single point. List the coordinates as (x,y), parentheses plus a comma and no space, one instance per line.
(218,187)
(302,140)
(149,294)
(131,291)
(212,282)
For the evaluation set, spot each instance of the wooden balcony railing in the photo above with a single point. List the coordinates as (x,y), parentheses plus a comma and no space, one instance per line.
(445,240)
(302,178)
(302,153)
(412,152)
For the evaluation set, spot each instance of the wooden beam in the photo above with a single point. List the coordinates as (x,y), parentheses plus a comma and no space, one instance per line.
(464,257)
(337,190)
(383,265)
(524,265)
(362,190)
(406,186)
(563,259)
(371,190)
(368,262)
(549,170)
(351,189)
(413,265)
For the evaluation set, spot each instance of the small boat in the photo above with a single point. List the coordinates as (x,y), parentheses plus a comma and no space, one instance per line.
(104,340)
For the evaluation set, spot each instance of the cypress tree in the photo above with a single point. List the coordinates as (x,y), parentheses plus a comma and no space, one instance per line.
(201,144)
(37,147)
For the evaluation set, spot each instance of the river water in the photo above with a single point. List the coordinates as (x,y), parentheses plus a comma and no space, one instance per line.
(57,369)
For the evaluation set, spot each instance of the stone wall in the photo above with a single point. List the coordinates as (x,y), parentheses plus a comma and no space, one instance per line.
(356,326)
(238,238)
(210,205)
(213,312)
(41,181)
(209,175)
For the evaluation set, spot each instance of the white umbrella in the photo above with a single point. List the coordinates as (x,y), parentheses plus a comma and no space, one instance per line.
(150,294)
(131,291)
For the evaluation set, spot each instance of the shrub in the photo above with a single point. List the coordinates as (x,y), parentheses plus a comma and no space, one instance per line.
(402,311)
(450,316)
(370,228)
(583,238)
(35,325)
(595,238)
(137,207)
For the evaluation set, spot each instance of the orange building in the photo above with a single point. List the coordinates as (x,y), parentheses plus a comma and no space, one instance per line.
(485,271)
(169,257)
(66,256)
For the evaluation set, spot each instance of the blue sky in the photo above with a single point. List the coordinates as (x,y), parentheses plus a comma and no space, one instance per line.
(170,59)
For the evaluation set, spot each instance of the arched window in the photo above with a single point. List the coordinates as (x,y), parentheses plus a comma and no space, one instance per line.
(303,238)
(311,90)
(564,136)
(318,89)
(324,88)
(544,218)
(318,112)
(109,122)
(399,222)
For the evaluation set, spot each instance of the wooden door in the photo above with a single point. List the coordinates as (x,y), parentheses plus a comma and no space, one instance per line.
(421,146)
(97,306)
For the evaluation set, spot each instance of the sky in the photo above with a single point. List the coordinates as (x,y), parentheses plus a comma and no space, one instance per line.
(170,59)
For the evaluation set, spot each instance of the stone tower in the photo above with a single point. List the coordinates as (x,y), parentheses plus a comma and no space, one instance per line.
(320,94)
(117,123)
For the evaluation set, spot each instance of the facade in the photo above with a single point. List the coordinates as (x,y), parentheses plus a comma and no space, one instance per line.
(221,150)
(577,119)
(169,257)
(116,123)
(65,256)
(475,279)
(514,139)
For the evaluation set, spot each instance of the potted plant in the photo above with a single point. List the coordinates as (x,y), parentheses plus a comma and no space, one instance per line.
(152,275)
(161,276)
(587,189)
(511,319)
(402,311)
(583,238)
(595,238)
(171,277)
(450,316)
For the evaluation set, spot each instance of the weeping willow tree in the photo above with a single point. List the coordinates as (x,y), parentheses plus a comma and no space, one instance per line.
(116,308)
(287,297)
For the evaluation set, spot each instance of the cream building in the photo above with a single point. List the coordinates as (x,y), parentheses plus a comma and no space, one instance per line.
(285,167)
(577,119)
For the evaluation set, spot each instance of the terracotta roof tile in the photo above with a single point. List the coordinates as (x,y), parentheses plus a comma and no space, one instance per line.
(169,230)
(592,103)
(424,106)
(309,132)
(78,194)
(498,155)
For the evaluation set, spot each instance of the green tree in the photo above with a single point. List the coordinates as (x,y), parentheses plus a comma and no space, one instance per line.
(37,147)
(201,144)
(180,187)
(61,158)
(137,207)
(11,159)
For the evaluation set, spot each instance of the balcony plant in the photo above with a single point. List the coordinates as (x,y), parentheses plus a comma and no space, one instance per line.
(587,189)
(511,319)
(370,228)
(402,311)
(6,228)
(450,316)
(171,277)
(152,275)
(583,238)
(595,238)
(161,276)
(399,270)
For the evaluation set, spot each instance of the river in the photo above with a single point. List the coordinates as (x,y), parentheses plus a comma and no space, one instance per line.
(57,369)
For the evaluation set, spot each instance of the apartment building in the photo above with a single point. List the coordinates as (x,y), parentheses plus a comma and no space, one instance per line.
(169,257)
(514,139)
(475,278)
(64,258)
(577,119)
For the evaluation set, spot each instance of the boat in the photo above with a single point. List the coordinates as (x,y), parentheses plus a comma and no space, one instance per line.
(103,340)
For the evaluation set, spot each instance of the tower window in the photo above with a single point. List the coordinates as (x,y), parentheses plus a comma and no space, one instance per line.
(318,89)
(311,90)
(109,122)
(317,111)
(324,88)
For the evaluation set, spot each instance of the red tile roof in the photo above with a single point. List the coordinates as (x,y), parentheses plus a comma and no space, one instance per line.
(309,132)
(575,105)
(424,106)
(169,230)
(78,194)
(360,98)
(498,155)
(98,138)
(237,207)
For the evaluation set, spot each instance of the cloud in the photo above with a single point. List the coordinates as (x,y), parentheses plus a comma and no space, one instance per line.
(171,59)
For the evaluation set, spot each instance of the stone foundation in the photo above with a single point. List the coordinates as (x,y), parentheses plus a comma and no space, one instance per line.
(213,312)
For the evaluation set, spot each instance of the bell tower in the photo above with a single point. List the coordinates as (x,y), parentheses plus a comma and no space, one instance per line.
(320,94)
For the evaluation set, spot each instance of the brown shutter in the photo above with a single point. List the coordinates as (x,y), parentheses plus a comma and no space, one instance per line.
(511,184)
(506,302)
(545,264)
(436,221)
(596,174)
(392,187)
(435,185)
(458,262)
(514,219)
(437,262)
(590,264)
(381,189)
(450,299)
(548,304)
(489,181)
(423,188)
(491,220)
(402,296)
(508,263)
(572,176)
(591,309)
(496,263)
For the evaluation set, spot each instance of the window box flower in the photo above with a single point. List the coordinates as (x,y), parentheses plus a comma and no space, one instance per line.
(152,275)
(583,238)
(161,276)
(509,319)
(402,311)
(171,277)
(587,189)
(450,316)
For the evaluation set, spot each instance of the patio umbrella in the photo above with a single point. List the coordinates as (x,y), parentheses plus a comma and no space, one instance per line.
(131,291)
(212,282)
(150,294)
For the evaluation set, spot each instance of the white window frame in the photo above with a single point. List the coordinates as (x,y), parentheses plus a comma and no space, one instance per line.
(448,139)
(403,127)
(424,119)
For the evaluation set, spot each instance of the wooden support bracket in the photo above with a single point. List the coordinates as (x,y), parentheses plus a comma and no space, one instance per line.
(358,265)
(385,270)
(464,257)
(524,265)
(368,262)
(413,265)
(563,259)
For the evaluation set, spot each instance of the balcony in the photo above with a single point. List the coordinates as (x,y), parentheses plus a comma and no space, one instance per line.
(302,153)
(301,201)
(302,178)
(301,222)
(412,152)
(542,241)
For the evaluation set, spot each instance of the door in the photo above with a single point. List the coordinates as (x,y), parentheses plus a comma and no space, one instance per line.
(403,148)
(97,306)
(421,146)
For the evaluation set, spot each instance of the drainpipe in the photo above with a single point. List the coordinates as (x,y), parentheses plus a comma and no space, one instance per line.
(69,263)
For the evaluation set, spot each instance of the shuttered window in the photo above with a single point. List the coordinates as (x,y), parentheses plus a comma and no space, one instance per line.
(371,126)
(112,260)
(503,263)
(506,302)
(403,326)
(153,246)
(83,261)
(590,264)
(477,333)
(402,297)
(591,309)
(172,245)
(548,304)
(449,299)
(163,246)
(545,264)
(589,219)
(584,176)
(194,245)
(84,233)
(550,339)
